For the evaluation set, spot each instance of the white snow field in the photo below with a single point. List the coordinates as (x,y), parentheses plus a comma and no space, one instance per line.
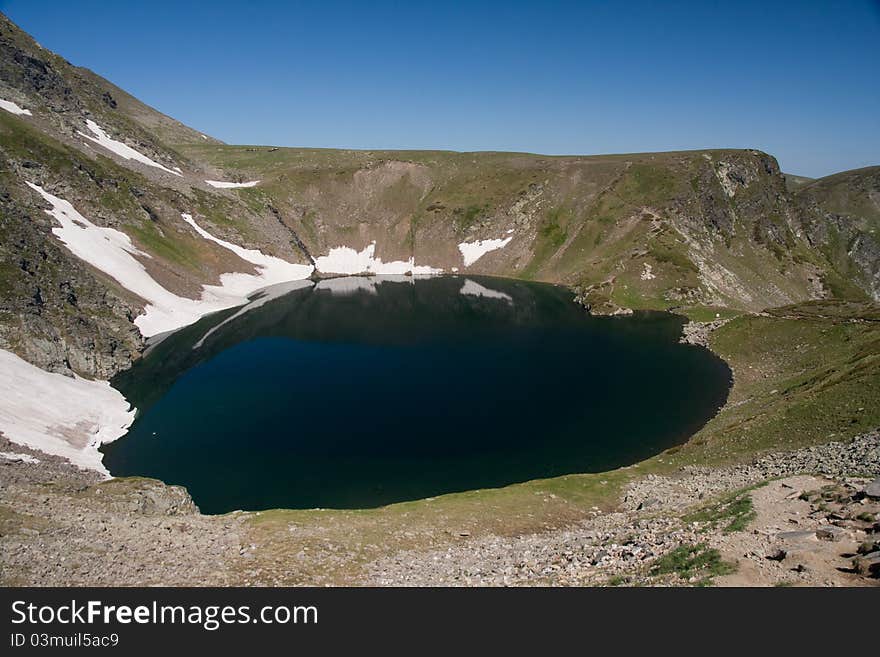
(66,416)
(345,260)
(473,288)
(122,150)
(473,251)
(112,252)
(234,289)
(231,185)
(12,108)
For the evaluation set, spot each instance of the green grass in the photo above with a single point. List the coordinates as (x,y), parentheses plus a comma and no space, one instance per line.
(673,256)
(707,313)
(650,183)
(368,534)
(466,217)
(733,512)
(688,561)
(171,249)
(551,235)
(551,229)
(804,375)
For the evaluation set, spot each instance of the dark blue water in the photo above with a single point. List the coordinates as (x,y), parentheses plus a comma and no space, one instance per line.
(352,398)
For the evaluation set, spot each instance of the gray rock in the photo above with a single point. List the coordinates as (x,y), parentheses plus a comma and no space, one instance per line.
(796,537)
(831,533)
(777,555)
(867,564)
(872,490)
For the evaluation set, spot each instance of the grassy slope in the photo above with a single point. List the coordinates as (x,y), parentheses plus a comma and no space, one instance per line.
(843,216)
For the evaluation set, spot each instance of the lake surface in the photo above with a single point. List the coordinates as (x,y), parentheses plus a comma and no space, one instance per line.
(358,392)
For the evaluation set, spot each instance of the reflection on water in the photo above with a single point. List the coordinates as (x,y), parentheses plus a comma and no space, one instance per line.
(361,391)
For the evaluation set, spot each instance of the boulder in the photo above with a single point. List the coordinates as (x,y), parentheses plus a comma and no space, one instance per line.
(868,564)
(831,533)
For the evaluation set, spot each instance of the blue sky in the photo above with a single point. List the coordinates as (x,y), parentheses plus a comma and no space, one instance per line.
(798,79)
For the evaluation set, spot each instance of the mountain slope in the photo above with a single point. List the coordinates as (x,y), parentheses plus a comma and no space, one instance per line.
(841,216)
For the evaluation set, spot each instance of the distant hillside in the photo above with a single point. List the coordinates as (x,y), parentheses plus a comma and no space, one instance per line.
(794,183)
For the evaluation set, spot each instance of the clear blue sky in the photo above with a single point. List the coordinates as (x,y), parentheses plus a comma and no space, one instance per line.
(796,78)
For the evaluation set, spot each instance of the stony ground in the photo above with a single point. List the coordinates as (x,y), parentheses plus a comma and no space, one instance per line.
(810,517)
(62,526)
(622,547)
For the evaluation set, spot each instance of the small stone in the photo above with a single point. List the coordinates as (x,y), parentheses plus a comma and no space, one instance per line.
(777,555)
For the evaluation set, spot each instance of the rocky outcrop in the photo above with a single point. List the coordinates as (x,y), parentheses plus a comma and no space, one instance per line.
(697,333)
(63,526)
(841,217)
(54,312)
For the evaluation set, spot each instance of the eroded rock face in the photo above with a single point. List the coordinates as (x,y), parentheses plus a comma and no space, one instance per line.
(145,497)
(32,70)
(58,315)
(841,217)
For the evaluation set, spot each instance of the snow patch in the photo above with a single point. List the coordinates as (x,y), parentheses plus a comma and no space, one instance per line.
(345,260)
(122,150)
(66,416)
(112,252)
(473,251)
(12,108)
(231,185)
(473,288)
(18,456)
